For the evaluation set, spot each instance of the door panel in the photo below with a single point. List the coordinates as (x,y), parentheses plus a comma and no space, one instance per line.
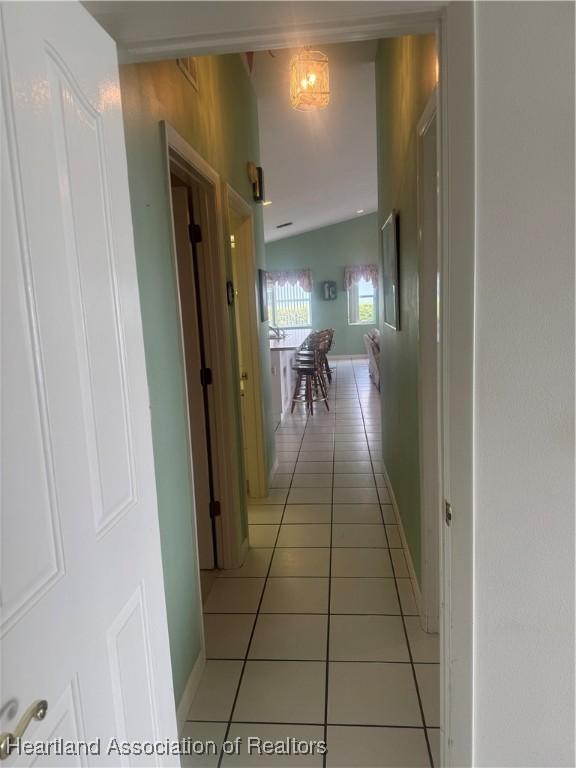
(90,244)
(83,612)
(129,654)
(28,570)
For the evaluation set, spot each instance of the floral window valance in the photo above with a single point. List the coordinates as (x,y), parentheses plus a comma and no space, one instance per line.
(301,277)
(367,272)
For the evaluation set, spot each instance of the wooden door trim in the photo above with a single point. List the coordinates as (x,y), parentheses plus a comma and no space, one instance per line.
(229,544)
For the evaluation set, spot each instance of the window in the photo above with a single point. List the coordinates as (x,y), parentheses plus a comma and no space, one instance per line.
(290,306)
(361,303)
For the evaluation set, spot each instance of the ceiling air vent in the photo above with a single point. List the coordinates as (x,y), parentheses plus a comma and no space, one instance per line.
(286,224)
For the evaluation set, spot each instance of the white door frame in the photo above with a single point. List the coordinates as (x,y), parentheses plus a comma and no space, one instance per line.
(454,29)
(457,165)
(429,410)
(229,542)
(258,480)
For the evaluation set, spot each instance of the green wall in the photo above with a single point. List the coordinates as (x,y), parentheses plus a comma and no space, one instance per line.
(405,78)
(326,252)
(221,123)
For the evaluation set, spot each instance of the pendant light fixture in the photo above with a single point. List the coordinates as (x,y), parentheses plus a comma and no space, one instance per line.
(309,80)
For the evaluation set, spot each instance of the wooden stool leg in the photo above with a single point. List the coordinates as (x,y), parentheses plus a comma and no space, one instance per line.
(324,390)
(315,384)
(296,390)
(309,394)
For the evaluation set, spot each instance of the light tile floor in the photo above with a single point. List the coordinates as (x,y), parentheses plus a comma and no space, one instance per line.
(317,636)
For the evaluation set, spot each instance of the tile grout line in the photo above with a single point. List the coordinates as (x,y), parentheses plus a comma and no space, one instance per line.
(310,613)
(240,679)
(328,618)
(407,578)
(430,758)
(333,661)
(317,725)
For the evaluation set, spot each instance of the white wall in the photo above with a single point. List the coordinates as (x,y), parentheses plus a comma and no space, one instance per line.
(524,370)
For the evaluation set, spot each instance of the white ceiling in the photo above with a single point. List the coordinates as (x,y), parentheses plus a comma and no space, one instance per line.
(153,29)
(319,166)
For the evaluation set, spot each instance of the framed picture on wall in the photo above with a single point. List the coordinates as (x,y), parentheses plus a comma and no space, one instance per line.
(391,271)
(329,290)
(263,294)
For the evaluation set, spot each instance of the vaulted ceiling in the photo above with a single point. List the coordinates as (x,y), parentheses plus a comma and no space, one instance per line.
(319,166)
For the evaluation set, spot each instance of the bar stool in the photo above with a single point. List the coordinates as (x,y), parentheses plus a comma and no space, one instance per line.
(310,384)
(323,342)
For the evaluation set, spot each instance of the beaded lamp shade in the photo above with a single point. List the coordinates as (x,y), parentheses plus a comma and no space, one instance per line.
(309,80)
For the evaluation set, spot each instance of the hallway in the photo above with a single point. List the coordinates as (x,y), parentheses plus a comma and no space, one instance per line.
(324,546)
(189,186)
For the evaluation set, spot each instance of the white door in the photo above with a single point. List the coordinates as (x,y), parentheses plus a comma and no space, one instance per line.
(83,618)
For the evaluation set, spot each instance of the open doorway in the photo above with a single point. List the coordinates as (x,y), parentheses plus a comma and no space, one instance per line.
(200,266)
(328,539)
(327,586)
(196,351)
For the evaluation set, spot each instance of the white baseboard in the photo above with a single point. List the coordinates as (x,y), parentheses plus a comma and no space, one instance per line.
(190,690)
(407,555)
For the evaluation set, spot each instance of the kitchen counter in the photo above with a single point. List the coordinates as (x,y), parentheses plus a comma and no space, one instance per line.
(292,341)
(283,377)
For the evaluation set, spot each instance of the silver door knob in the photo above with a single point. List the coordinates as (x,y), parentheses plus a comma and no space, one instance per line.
(9,741)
